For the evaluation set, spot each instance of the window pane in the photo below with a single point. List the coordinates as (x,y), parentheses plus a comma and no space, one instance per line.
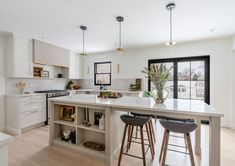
(102,79)
(198,80)
(103,68)
(169,84)
(184,80)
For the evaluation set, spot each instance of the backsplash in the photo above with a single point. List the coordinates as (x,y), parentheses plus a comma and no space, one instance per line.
(34,84)
(117,84)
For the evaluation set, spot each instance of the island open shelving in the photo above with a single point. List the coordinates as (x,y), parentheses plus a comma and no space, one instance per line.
(83,133)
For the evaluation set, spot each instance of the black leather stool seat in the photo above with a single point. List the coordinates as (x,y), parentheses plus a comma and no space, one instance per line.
(178,126)
(134,121)
(139,114)
(176,119)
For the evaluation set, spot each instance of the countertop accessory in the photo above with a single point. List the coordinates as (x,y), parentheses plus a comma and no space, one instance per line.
(66,113)
(20,86)
(66,134)
(97,116)
(136,86)
(37,71)
(109,94)
(159,75)
(45,74)
(94,146)
(101,123)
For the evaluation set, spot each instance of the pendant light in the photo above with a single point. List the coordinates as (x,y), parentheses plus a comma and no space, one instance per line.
(83,28)
(170,7)
(120,19)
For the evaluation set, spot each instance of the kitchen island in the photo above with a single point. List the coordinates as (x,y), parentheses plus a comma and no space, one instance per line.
(85,106)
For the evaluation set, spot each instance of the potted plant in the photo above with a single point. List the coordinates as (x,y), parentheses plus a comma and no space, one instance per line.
(159,75)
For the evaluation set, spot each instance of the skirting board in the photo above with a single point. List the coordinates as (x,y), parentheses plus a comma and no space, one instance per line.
(19,131)
(228,125)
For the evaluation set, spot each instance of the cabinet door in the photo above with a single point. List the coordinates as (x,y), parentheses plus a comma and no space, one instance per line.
(22,55)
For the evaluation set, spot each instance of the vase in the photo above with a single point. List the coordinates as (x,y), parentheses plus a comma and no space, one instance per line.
(160,94)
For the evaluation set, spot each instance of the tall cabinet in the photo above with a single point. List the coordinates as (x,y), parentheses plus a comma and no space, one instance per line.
(19,57)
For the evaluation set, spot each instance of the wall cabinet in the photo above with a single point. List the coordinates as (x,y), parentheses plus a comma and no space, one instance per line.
(25,111)
(47,54)
(18,57)
(76,66)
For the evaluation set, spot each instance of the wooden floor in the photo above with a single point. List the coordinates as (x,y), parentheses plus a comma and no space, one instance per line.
(31,149)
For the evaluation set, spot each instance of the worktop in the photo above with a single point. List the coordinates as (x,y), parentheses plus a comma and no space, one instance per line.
(197,107)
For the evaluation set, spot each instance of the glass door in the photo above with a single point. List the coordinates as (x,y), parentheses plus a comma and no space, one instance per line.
(190,77)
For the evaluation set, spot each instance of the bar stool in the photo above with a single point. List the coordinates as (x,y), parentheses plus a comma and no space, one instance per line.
(150,123)
(130,123)
(177,127)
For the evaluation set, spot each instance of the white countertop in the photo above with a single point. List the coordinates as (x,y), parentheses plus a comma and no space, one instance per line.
(112,90)
(25,95)
(193,107)
(5,139)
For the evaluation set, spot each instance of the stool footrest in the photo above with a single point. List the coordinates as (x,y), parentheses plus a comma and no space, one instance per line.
(178,151)
(179,146)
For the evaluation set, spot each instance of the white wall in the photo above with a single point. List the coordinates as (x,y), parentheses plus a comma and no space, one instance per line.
(2,84)
(232,99)
(220,50)
(234,42)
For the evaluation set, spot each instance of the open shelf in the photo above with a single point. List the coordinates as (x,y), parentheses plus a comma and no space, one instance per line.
(59,142)
(82,133)
(91,128)
(100,154)
(72,124)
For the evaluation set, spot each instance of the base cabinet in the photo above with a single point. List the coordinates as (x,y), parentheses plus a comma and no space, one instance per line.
(25,112)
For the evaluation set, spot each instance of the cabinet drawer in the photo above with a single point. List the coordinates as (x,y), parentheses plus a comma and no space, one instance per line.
(32,117)
(30,103)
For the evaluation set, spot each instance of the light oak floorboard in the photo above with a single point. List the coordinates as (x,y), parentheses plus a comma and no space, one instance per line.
(32,149)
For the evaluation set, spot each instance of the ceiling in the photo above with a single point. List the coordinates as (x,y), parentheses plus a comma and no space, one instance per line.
(146,21)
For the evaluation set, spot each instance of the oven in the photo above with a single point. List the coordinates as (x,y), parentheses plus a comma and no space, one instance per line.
(52,94)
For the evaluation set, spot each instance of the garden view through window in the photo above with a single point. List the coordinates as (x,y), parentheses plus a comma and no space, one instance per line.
(189,79)
(102,73)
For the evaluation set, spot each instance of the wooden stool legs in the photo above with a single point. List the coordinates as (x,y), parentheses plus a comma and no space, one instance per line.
(123,141)
(129,131)
(142,145)
(164,148)
(162,157)
(190,149)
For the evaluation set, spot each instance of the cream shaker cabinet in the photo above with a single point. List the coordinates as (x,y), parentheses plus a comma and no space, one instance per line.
(48,54)
(24,112)
(19,61)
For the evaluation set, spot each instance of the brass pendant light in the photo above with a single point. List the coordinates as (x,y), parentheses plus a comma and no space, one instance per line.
(120,19)
(83,28)
(170,7)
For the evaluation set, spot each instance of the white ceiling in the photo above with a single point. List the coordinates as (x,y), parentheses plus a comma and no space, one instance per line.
(146,21)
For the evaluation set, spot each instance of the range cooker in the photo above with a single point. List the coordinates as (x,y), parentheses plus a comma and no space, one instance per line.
(51,94)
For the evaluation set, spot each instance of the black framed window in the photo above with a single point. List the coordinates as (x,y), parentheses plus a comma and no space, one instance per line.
(102,73)
(190,77)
